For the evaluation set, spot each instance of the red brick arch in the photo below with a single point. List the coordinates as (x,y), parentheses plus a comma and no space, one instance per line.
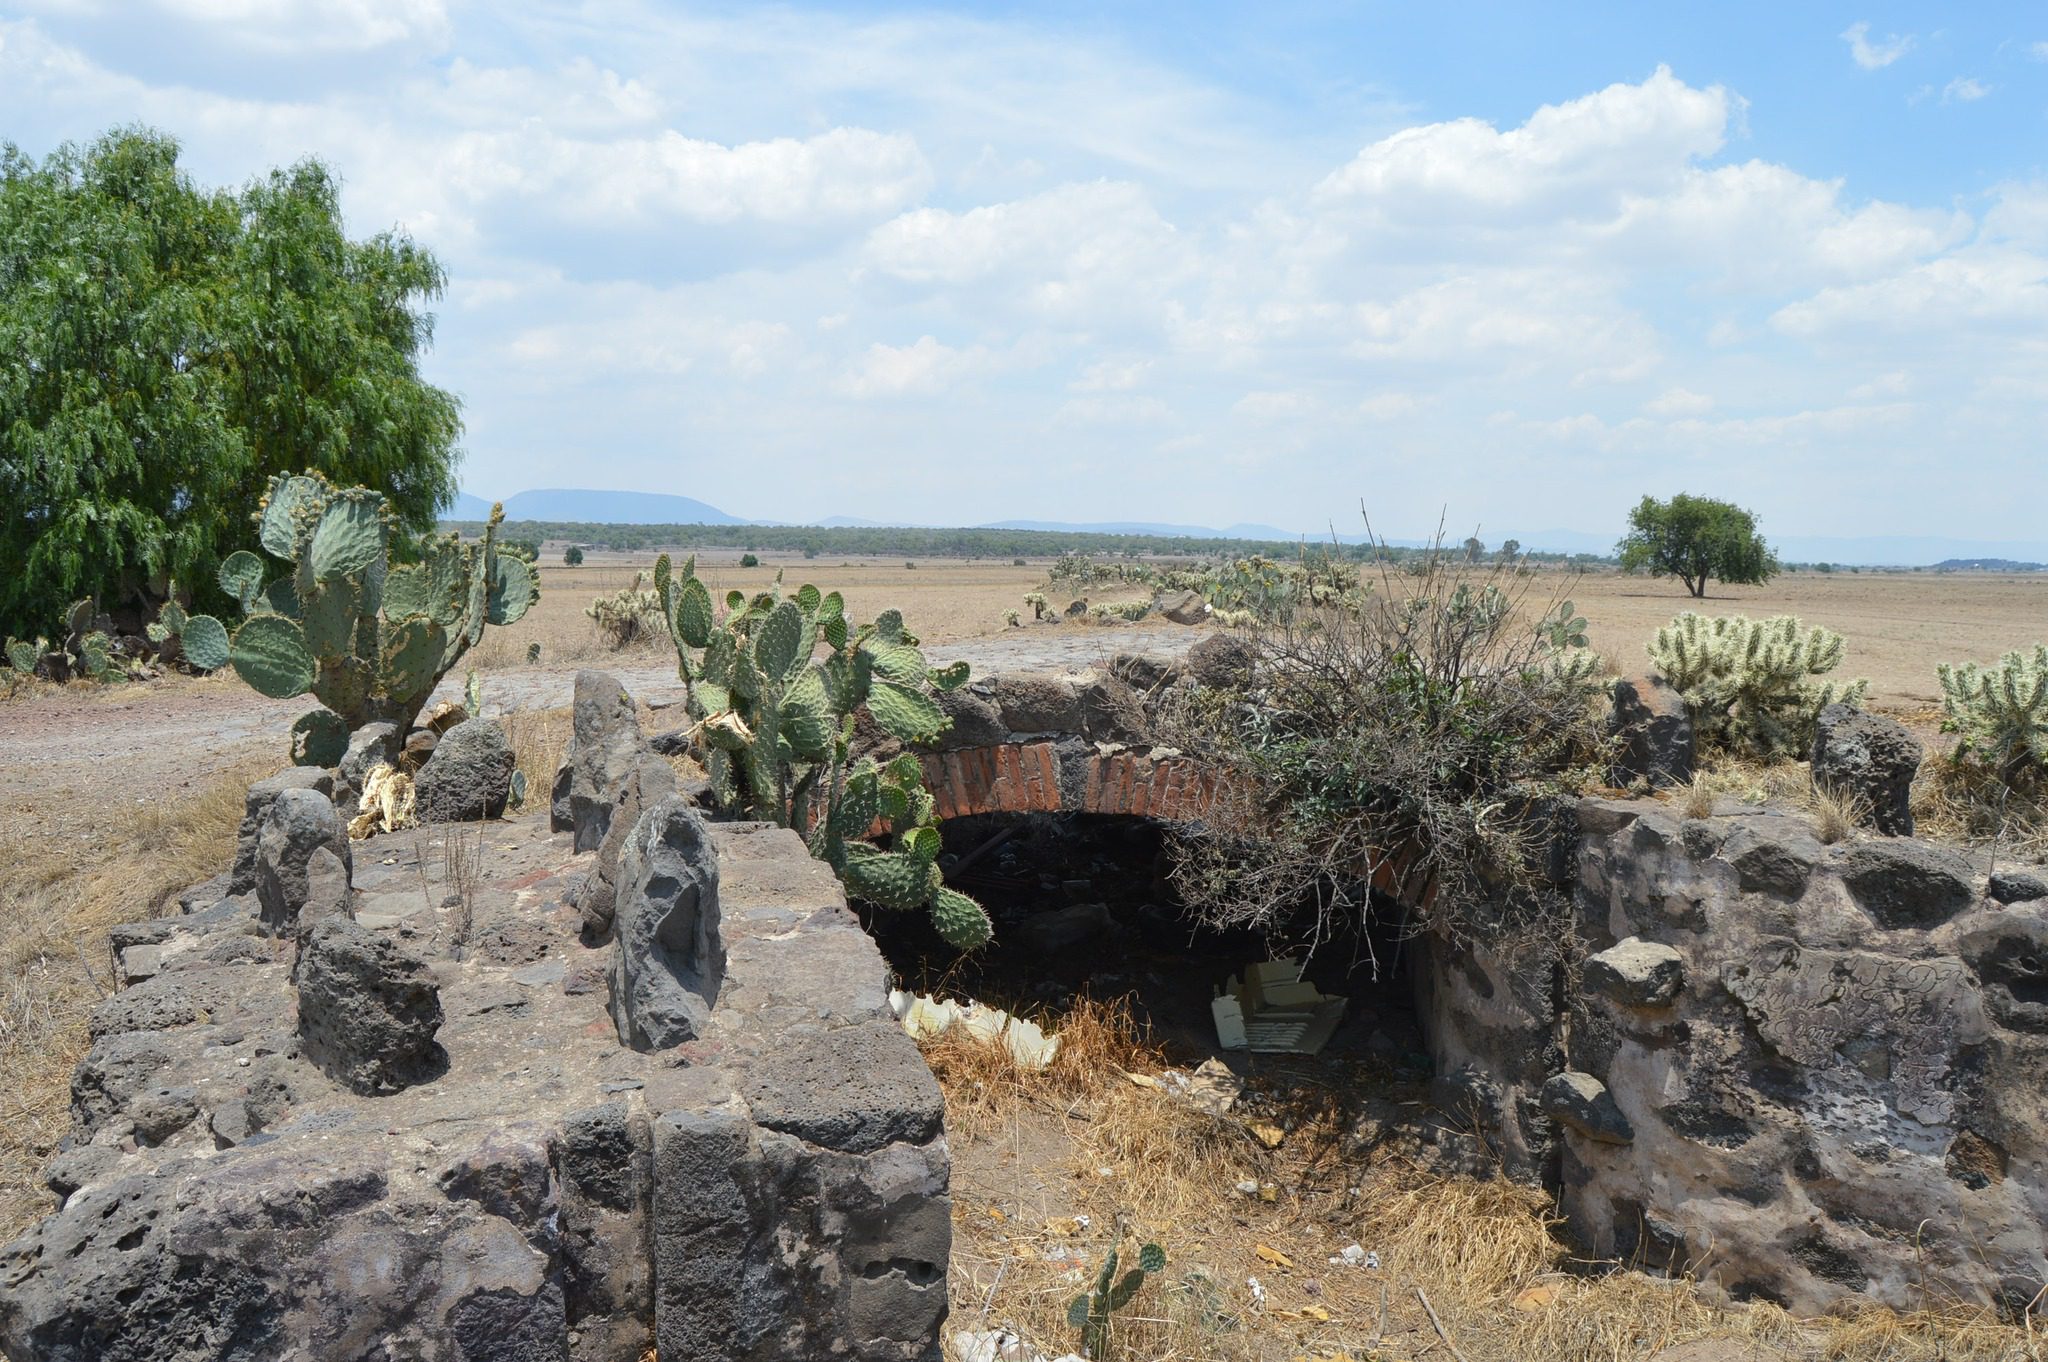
(1045,776)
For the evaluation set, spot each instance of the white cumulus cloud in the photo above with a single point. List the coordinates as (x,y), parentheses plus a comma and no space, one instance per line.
(1873,56)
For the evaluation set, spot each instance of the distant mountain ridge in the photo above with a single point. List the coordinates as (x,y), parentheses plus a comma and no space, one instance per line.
(583,505)
(578,505)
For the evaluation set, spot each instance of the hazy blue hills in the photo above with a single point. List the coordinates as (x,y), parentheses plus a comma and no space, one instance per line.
(581,505)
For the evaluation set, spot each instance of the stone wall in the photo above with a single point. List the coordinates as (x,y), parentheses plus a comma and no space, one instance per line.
(1810,1074)
(394,1120)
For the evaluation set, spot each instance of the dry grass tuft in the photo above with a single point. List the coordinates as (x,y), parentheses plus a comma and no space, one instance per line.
(1836,814)
(1053,1168)
(1963,802)
(57,903)
(1696,800)
(540,743)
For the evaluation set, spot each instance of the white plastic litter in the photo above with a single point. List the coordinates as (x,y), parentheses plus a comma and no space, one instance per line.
(924,1017)
(993,1345)
(1271,1009)
(1356,1255)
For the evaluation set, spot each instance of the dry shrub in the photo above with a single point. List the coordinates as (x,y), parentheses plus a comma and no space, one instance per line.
(540,743)
(1961,801)
(1407,736)
(1697,798)
(57,903)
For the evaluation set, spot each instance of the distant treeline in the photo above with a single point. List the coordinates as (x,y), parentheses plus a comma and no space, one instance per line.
(912,541)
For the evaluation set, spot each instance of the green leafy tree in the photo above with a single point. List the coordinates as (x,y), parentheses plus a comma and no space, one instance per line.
(572,556)
(1696,539)
(165,350)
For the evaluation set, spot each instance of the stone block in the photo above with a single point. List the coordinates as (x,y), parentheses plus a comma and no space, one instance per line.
(1636,973)
(667,960)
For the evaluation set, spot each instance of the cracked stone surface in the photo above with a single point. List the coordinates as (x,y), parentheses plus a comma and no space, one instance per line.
(222,1197)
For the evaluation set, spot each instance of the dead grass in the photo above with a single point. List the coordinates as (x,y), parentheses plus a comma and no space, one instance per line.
(57,903)
(540,743)
(1963,802)
(1053,1168)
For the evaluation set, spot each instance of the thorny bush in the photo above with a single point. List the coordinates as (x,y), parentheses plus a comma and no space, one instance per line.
(1408,739)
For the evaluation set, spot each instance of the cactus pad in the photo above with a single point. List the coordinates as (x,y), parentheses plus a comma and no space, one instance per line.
(892,880)
(269,652)
(241,576)
(319,738)
(960,920)
(904,714)
(205,641)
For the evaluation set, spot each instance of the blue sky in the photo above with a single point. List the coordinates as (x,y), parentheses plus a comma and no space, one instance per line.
(1208,264)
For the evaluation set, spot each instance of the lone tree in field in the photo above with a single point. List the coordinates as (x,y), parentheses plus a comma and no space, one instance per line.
(165,349)
(572,556)
(1695,539)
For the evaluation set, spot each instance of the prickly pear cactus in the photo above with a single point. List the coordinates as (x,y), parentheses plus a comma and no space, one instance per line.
(775,687)
(369,639)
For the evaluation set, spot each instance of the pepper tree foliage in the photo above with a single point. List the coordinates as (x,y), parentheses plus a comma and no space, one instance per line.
(1696,539)
(166,349)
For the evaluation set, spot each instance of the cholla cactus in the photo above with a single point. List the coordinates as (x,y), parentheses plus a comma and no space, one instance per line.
(628,615)
(1036,600)
(2001,712)
(1012,619)
(369,639)
(1749,683)
(1132,611)
(777,721)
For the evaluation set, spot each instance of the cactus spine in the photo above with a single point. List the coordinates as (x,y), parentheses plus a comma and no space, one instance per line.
(368,639)
(776,720)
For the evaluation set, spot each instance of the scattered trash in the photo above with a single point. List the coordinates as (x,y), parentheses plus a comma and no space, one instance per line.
(1356,1255)
(1274,1256)
(993,1345)
(1212,1086)
(1248,1187)
(1266,1133)
(386,805)
(1314,1314)
(924,1017)
(1271,1009)
(1258,1292)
